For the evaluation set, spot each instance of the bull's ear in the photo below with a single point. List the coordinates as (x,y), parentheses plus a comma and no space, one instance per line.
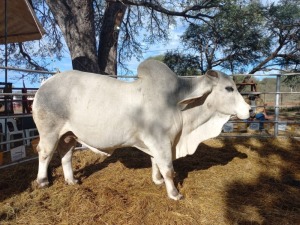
(211,79)
(212,74)
(195,96)
(186,101)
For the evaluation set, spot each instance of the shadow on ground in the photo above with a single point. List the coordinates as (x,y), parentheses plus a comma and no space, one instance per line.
(274,197)
(204,158)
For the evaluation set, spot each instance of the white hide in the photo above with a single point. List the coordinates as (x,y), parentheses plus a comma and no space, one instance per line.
(159,113)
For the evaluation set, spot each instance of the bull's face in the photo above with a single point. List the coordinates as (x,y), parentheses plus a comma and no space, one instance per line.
(219,93)
(228,100)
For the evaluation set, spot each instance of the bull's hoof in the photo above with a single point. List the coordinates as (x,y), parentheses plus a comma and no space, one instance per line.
(71,181)
(177,197)
(158,181)
(42,183)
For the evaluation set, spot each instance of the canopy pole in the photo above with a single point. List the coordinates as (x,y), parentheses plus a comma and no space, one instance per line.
(277,97)
(5,37)
(5,43)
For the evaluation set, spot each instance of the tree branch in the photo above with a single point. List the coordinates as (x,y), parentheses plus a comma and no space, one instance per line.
(184,13)
(29,59)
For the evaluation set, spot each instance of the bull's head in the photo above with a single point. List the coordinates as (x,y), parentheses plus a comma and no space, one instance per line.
(225,96)
(219,93)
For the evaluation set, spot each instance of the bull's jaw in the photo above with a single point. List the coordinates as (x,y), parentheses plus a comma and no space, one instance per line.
(245,113)
(243,110)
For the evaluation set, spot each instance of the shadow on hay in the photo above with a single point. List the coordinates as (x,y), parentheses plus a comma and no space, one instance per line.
(204,158)
(15,180)
(130,157)
(21,177)
(270,199)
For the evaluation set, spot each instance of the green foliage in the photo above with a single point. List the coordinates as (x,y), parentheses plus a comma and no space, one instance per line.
(183,65)
(292,81)
(237,35)
(232,39)
(158,57)
(247,36)
(269,84)
(284,24)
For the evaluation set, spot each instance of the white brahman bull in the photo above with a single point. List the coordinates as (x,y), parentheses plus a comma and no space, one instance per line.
(161,114)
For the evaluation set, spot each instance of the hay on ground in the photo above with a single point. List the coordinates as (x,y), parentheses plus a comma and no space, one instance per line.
(227,181)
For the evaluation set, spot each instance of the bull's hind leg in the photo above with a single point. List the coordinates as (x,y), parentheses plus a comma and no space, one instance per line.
(65,148)
(46,148)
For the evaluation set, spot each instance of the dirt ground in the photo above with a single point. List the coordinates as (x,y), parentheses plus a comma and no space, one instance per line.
(227,181)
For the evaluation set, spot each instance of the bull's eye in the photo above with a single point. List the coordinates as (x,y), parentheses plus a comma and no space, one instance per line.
(229,89)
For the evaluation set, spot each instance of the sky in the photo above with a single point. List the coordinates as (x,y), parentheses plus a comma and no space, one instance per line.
(65,63)
(153,50)
(162,47)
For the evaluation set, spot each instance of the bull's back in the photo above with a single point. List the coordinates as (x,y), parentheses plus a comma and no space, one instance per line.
(58,93)
(84,100)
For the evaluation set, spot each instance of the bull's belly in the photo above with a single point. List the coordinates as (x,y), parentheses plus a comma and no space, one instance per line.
(108,143)
(112,132)
(109,137)
(103,140)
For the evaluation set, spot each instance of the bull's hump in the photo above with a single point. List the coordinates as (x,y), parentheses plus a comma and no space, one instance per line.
(155,69)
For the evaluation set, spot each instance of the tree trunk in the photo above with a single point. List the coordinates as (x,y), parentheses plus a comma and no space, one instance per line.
(108,42)
(76,21)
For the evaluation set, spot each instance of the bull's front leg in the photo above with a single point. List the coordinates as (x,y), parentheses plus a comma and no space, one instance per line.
(167,172)
(163,161)
(156,175)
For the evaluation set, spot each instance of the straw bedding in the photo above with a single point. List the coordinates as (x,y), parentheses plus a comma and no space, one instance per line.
(227,181)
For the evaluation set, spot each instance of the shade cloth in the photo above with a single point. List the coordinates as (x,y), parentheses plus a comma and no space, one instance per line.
(22,23)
